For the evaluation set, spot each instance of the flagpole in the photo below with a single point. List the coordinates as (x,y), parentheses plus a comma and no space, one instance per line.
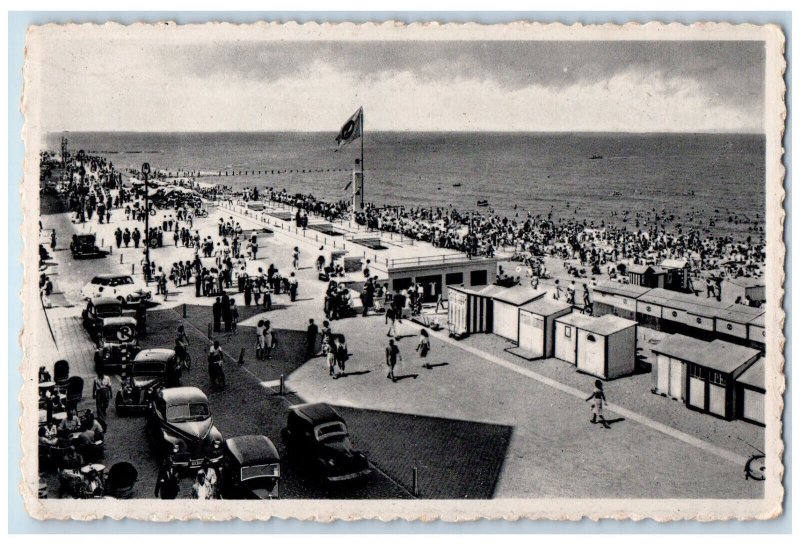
(362,159)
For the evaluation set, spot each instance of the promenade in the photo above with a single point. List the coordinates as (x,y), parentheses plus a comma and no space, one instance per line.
(479,423)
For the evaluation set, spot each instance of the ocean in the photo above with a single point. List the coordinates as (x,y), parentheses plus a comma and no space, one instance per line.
(592,176)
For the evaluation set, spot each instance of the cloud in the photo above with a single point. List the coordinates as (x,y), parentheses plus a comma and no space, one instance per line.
(539,86)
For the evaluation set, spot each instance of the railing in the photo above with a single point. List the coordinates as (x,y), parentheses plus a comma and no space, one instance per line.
(431,260)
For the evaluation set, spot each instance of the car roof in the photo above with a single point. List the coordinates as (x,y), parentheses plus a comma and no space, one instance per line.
(183,394)
(317,413)
(151,354)
(252,449)
(120,320)
(99,301)
(107,276)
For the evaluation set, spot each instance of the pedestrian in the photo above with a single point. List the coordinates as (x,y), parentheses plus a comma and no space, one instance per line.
(225,307)
(167,484)
(234,316)
(311,339)
(296,258)
(330,359)
(392,332)
(424,346)
(269,339)
(340,346)
(557,294)
(260,340)
(101,392)
(292,287)
(201,489)
(53,239)
(393,357)
(216,313)
(598,399)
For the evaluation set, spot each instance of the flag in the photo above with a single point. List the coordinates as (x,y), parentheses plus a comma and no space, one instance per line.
(351,129)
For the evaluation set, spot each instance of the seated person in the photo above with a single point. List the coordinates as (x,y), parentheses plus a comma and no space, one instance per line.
(130,392)
(71,461)
(93,483)
(92,426)
(44,375)
(71,423)
(44,440)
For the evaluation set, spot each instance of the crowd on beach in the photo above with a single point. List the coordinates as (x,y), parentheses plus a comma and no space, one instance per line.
(645,237)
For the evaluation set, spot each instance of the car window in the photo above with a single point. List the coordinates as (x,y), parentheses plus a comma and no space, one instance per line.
(108,310)
(146,368)
(330,430)
(188,412)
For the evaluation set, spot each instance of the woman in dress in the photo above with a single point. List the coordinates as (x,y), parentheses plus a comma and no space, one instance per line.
(269,339)
(424,346)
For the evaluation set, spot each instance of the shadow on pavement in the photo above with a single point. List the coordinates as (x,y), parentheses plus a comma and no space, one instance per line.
(454,458)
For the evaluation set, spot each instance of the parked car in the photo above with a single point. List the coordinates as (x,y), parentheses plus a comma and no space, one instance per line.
(85,247)
(116,342)
(317,440)
(251,468)
(180,424)
(121,287)
(143,377)
(99,309)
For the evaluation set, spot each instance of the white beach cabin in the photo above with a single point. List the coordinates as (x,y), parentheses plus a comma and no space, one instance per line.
(537,327)
(506,309)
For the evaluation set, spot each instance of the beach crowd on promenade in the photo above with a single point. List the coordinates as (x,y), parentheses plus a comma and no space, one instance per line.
(638,238)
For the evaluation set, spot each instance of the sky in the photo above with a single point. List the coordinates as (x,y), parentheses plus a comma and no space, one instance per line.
(140,85)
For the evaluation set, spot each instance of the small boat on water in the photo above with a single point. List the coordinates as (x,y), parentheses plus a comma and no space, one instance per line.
(456,185)
(483,203)
(595,156)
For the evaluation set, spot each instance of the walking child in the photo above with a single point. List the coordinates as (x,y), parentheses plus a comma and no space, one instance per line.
(598,399)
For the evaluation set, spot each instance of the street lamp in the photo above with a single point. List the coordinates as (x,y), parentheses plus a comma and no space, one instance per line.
(146,172)
(81,187)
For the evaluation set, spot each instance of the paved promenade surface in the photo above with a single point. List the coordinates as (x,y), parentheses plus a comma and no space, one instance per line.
(479,423)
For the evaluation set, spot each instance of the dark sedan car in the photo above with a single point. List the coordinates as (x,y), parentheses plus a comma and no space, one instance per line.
(180,424)
(317,440)
(97,310)
(150,371)
(116,343)
(251,468)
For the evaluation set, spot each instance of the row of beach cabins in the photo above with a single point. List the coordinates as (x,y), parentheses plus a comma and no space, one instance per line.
(711,358)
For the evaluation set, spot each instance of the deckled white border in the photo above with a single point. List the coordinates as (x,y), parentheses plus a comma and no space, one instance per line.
(426,510)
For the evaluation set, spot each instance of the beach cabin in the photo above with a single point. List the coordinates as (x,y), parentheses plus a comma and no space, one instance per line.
(742,289)
(617,299)
(646,276)
(607,347)
(732,323)
(712,373)
(566,336)
(756,333)
(506,306)
(470,310)
(671,356)
(750,394)
(537,322)
(649,308)
(676,274)
(604,347)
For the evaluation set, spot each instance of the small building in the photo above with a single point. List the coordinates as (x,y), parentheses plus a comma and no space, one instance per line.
(711,371)
(566,336)
(649,307)
(646,276)
(537,327)
(506,309)
(604,347)
(750,394)
(757,333)
(732,323)
(617,299)
(677,274)
(470,310)
(435,273)
(607,347)
(743,289)
(670,364)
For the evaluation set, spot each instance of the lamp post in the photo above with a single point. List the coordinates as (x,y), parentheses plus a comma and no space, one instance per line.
(146,172)
(81,186)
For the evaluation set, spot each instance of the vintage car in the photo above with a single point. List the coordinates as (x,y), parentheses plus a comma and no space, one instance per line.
(180,425)
(317,439)
(85,247)
(97,311)
(151,370)
(121,287)
(116,342)
(251,468)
